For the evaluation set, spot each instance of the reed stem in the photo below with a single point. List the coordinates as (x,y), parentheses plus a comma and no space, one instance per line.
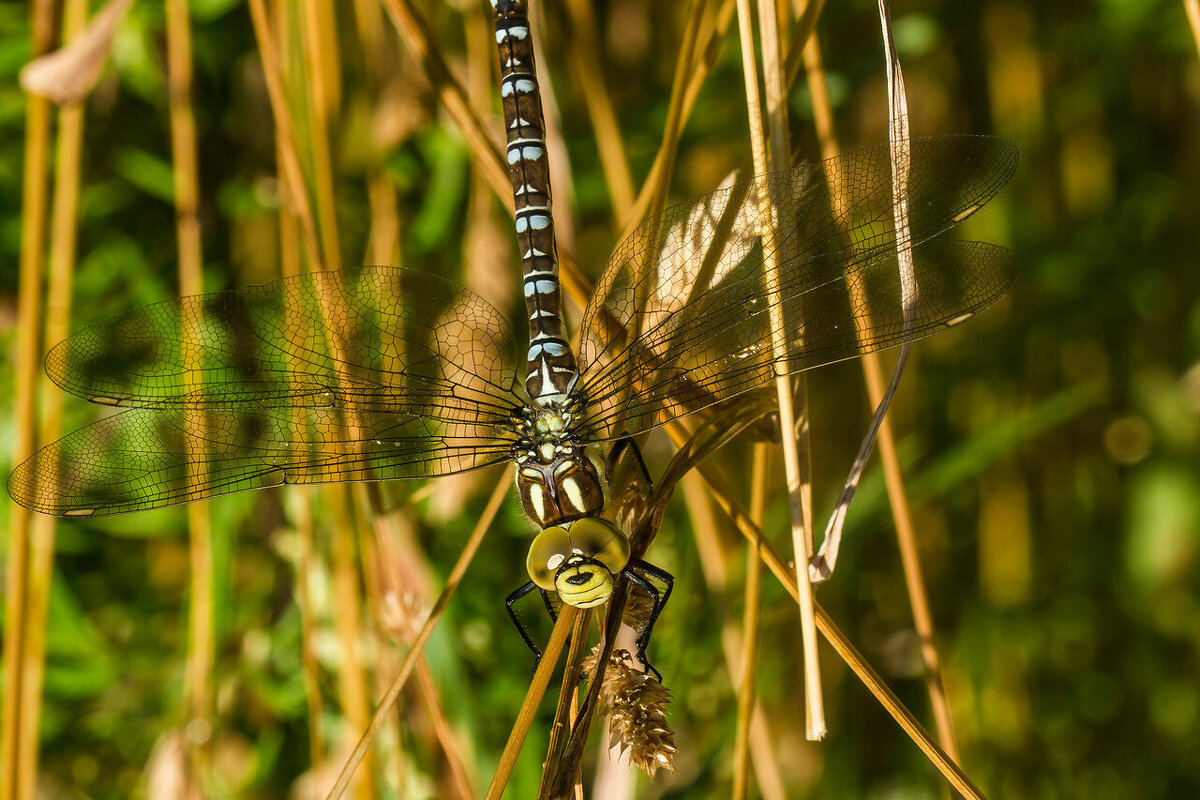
(15,777)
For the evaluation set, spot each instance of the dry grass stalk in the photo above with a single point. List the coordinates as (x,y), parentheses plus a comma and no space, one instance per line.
(889,457)
(1193,15)
(533,698)
(738,647)
(725,497)
(18,755)
(750,626)
(567,709)
(300,499)
(289,165)
(795,469)
(63,229)
(198,685)
(455,577)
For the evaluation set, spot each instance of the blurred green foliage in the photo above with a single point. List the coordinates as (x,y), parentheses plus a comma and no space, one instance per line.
(1052,446)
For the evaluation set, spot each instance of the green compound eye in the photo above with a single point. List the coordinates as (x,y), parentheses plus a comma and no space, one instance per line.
(547,553)
(600,540)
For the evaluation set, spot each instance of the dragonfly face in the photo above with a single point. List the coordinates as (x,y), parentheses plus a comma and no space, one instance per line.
(579,560)
(558,479)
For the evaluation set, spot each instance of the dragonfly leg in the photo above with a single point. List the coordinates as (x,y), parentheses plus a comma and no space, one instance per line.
(619,451)
(549,606)
(640,574)
(512,613)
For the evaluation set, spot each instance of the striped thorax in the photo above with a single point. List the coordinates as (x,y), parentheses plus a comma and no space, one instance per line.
(557,478)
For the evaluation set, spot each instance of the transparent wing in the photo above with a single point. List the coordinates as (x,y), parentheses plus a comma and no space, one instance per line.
(379,339)
(364,374)
(142,458)
(680,319)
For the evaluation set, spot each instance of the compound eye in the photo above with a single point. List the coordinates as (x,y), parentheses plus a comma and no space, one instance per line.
(601,540)
(547,553)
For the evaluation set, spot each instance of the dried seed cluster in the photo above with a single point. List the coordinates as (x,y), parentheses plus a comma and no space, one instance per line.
(636,705)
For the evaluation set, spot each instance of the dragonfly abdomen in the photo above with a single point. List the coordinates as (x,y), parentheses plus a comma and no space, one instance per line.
(552,369)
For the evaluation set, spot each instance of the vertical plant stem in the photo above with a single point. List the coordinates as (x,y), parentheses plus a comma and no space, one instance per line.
(289,266)
(588,74)
(198,693)
(759,741)
(320,55)
(29,312)
(568,696)
(795,471)
(750,625)
(347,620)
(533,697)
(889,457)
(63,228)
(285,132)
(393,691)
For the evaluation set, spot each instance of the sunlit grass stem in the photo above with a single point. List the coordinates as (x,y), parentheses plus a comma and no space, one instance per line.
(796,467)
(786,576)
(389,697)
(198,685)
(16,774)
(61,262)
(751,618)
(897,497)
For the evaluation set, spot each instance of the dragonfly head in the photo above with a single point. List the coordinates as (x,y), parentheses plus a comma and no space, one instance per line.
(579,560)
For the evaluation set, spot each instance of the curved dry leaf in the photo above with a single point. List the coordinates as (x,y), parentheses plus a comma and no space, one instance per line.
(69,73)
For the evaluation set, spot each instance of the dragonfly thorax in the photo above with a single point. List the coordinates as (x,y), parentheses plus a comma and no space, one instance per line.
(558,479)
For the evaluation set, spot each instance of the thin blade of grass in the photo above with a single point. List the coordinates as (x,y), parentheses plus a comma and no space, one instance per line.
(198,688)
(1193,14)
(15,781)
(289,266)
(795,469)
(64,218)
(397,685)
(564,712)
(746,686)
(533,698)
(720,490)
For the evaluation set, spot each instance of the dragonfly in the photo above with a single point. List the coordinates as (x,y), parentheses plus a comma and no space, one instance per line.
(378,373)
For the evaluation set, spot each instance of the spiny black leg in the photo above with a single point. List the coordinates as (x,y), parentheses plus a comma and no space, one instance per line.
(549,606)
(628,445)
(643,638)
(639,573)
(512,613)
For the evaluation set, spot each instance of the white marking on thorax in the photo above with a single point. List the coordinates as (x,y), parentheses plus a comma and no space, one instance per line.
(537,499)
(570,486)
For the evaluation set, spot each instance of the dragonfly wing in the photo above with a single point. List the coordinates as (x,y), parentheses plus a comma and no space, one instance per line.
(374,339)
(141,458)
(681,317)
